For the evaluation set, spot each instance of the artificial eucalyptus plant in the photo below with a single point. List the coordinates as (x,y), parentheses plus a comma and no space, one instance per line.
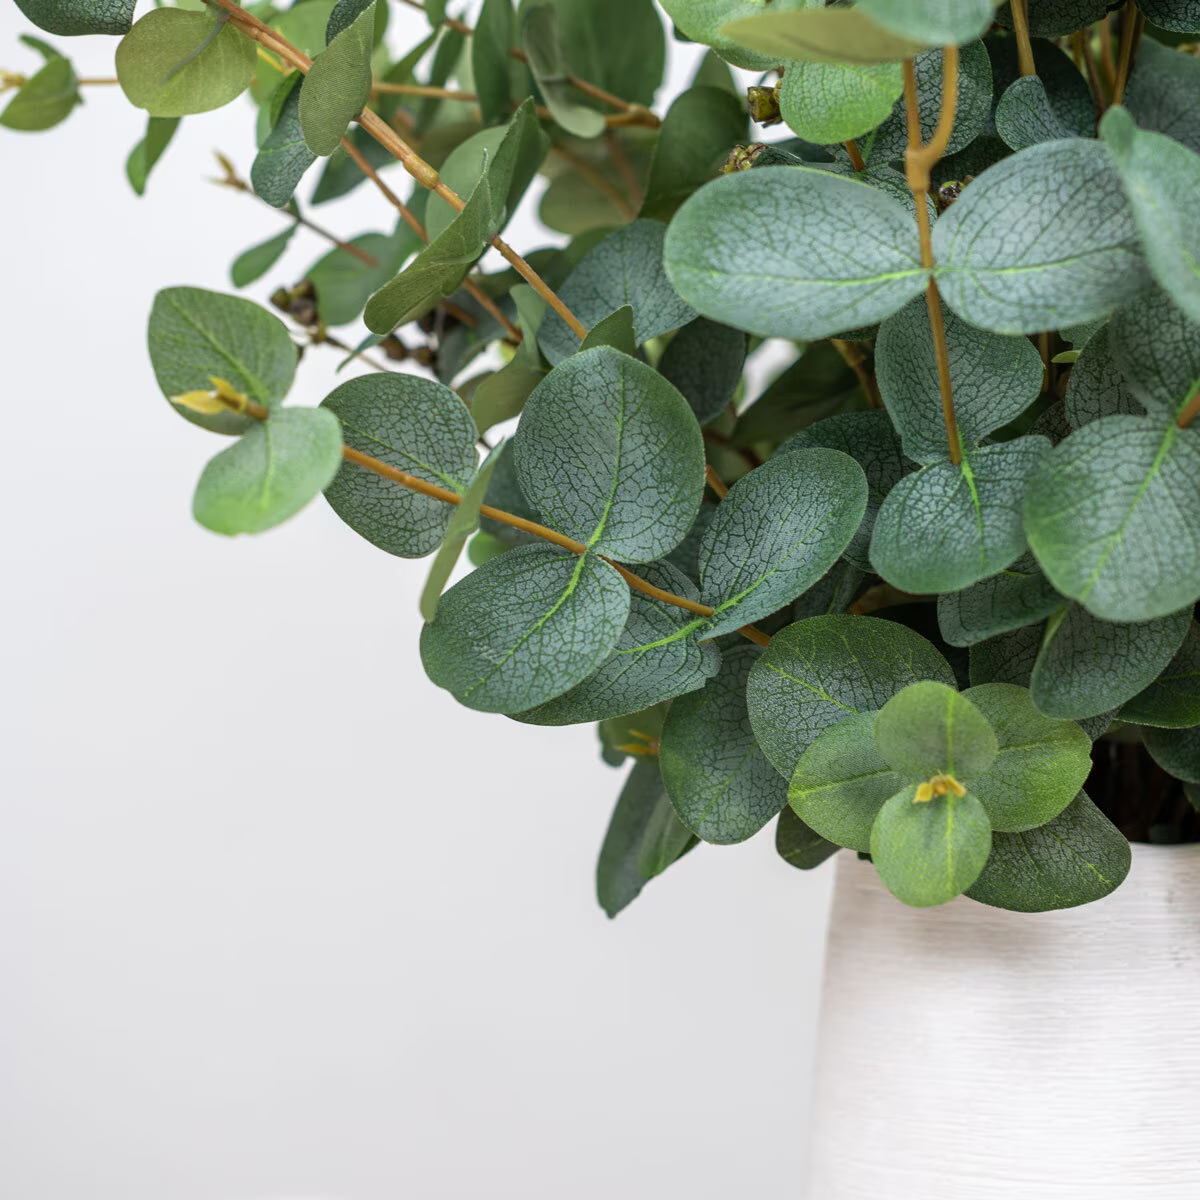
(909,598)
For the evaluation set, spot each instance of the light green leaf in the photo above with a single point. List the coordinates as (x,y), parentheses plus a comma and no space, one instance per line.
(644,838)
(928,853)
(491,63)
(1164,92)
(438,270)
(820,35)
(625,268)
(196,336)
(704,362)
(1097,386)
(540,38)
(419,427)
(841,783)
(832,102)
(511,155)
(141,160)
(946,527)
(823,669)
(44,100)
(1113,516)
(722,787)
(1087,666)
(1156,349)
(338,84)
(703,21)
(1041,763)
(657,658)
(930,729)
(938,22)
(1177,751)
(1172,701)
(1019,595)
(971,113)
(794,252)
(995,380)
(870,439)
(284,156)
(1078,857)
(611,455)
(71,17)
(464,521)
(254,263)
(270,473)
(172,63)
(700,128)
(777,532)
(524,628)
(305,25)
(1020,251)
(798,845)
(1161,179)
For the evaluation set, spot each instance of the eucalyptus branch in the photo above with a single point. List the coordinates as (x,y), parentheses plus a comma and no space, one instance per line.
(854,358)
(919,161)
(856,158)
(641,114)
(412,162)
(1190,411)
(1132,24)
(715,482)
(1020,15)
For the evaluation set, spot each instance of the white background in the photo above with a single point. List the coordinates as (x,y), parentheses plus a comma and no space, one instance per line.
(279,919)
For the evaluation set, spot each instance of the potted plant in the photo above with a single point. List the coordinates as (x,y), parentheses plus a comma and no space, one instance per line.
(926,598)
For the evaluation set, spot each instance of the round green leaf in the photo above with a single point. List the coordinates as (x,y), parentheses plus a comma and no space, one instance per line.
(172,62)
(1113,515)
(841,783)
(196,336)
(524,628)
(1156,350)
(798,845)
(611,455)
(1078,857)
(777,532)
(1097,387)
(930,729)
(1164,92)
(45,99)
(823,669)
(1173,699)
(418,426)
(704,361)
(1177,751)
(1041,763)
(722,787)
(270,473)
(928,853)
(1019,595)
(794,252)
(703,20)
(832,102)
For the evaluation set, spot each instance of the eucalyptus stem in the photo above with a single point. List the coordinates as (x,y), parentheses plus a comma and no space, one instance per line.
(919,161)
(412,162)
(1190,411)
(856,158)
(1020,15)
(1132,24)
(715,482)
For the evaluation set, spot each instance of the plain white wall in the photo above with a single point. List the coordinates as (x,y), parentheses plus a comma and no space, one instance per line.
(278,918)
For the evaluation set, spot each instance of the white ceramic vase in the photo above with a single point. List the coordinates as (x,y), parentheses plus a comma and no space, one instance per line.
(967,1053)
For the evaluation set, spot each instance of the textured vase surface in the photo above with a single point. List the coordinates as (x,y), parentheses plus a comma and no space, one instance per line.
(968,1053)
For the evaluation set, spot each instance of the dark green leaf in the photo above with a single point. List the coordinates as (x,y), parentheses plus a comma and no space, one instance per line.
(823,669)
(283,157)
(141,160)
(722,787)
(928,853)
(611,455)
(1087,666)
(798,845)
(254,263)
(338,84)
(657,658)
(1177,751)
(1182,16)
(1028,114)
(644,838)
(615,330)
(625,268)
(540,36)
(271,472)
(1041,763)
(491,64)
(1113,516)
(1017,596)
(1078,857)
(342,282)
(598,39)
(417,426)
(938,22)
(700,128)
(1156,349)
(1097,387)
(946,527)
(1054,18)
(1041,240)
(196,336)
(794,252)
(1164,93)
(524,628)
(1173,699)
(633,735)
(70,17)
(704,362)
(502,396)
(777,532)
